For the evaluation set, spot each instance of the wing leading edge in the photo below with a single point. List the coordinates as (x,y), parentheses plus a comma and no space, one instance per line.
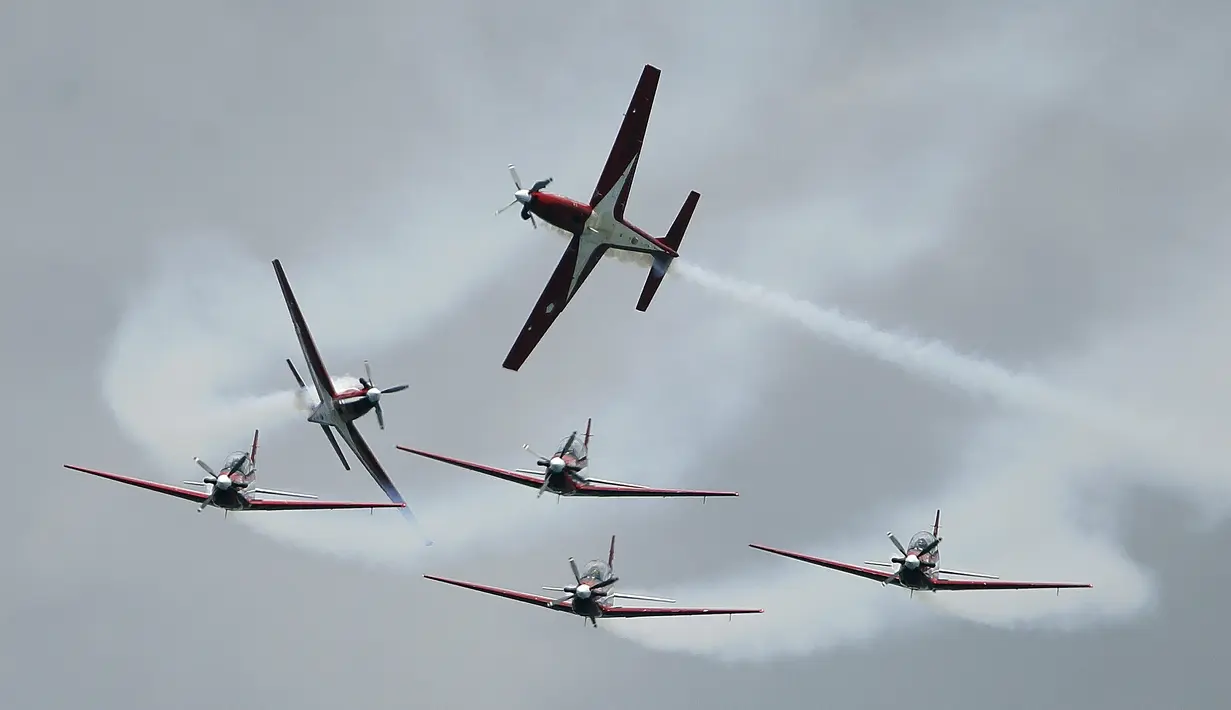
(350,434)
(316,366)
(627,146)
(525,479)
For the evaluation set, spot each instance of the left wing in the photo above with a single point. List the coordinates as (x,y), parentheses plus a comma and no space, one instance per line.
(575,266)
(635,491)
(973,584)
(316,505)
(629,612)
(530,480)
(350,434)
(536,599)
(316,367)
(617,177)
(186,494)
(872,574)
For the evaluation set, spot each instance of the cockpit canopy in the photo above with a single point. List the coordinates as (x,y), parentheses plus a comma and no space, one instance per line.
(237,462)
(921,540)
(577,450)
(597,570)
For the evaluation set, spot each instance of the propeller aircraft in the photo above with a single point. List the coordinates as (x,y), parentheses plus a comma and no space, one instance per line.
(591,596)
(564,473)
(918,568)
(340,409)
(231,488)
(598,226)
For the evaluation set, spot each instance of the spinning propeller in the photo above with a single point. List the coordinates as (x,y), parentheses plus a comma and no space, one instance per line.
(909,559)
(221,482)
(373,393)
(524,196)
(556,463)
(579,591)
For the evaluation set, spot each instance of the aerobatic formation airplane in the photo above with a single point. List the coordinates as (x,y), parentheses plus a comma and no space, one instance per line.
(564,474)
(918,569)
(230,488)
(591,597)
(340,409)
(599,225)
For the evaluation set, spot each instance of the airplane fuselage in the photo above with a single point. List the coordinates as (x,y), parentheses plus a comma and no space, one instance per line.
(919,578)
(592,606)
(597,226)
(337,413)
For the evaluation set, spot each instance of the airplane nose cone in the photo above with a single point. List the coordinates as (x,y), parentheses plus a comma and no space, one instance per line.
(556,464)
(583,592)
(523,196)
(223,482)
(373,395)
(912,561)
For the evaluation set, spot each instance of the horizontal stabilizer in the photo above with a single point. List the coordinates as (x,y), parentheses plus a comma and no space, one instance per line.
(662,262)
(288,494)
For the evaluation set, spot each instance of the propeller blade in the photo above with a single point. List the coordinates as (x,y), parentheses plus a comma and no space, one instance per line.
(395,388)
(561,600)
(569,444)
(930,547)
(502,209)
(535,453)
(204,504)
(367,370)
(533,223)
(513,173)
(605,583)
(555,589)
(576,574)
(380,416)
(546,480)
(894,540)
(205,466)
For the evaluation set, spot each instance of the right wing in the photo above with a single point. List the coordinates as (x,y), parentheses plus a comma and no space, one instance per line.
(528,480)
(972,584)
(316,367)
(575,265)
(535,599)
(316,505)
(873,574)
(627,491)
(617,177)
(363,452)
(626,612)
(186,494)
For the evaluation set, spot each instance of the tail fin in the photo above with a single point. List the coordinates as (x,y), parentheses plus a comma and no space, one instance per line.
(936,525)
(611,554)
(586,441)
(662,262)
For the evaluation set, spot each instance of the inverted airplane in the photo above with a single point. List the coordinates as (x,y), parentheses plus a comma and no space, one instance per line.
(340,409)
(231,488)
(591,597)
(599,225)
(564,473)
(918,569)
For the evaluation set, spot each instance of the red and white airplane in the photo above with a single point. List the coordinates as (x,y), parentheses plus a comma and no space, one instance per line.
(918,569)
(591,597)
(340,409)
(231,488)
(564,474)
(599,225)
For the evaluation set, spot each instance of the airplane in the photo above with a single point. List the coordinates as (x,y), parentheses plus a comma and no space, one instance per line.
(564,474)
(918,569)
(230,488)
(591,597)
(599,225)
(340,409)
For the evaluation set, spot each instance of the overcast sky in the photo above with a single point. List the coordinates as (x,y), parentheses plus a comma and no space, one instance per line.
(1018,213)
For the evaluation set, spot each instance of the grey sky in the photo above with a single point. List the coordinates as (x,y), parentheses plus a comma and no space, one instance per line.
(1042,186)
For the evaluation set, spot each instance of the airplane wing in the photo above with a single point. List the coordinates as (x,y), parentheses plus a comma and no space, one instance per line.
(631,612)
(316,505)
(525,479)
(574,267)
(536,599)
(617,177)
(350,434)
(634,491)
(873,574)
(316,367)
(186,494)
(973,584)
